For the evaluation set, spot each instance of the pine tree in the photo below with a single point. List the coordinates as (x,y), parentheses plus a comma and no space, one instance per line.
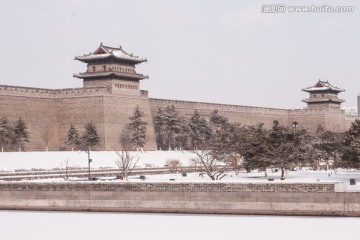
(182,135)
(21,134)
(217,121)
(6,133)
(328,146)
(90,137)
(159,126)
(200,131)
(351,147)
(252,147)
(286,147)
(72,138)
(137,127)
(171,125)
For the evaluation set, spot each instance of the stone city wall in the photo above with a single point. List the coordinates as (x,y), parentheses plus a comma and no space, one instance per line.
(49,113)
(308,118)
(235,113)
(231,198)
(40,116)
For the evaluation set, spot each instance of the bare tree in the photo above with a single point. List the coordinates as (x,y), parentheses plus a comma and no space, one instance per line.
(65,169)
(173,164)
(213,166)
(234,163)
(195,164)
(126,162)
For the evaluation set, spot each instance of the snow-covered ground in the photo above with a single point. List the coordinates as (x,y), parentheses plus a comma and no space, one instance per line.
(10,161)
(18,225)
(94,226)
(106,159)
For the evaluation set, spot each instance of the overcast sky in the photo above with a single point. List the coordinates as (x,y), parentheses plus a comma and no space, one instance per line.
(211,51)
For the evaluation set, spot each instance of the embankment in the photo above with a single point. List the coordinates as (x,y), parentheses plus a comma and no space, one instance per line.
(323,199)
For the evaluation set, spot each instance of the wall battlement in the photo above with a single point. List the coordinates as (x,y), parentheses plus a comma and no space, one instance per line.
(16,91)
(232,107)
(206,106)
(333,119)
(111,109)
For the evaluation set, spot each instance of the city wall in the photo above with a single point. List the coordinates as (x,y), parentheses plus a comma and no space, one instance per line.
(333,119)
(48,113)
(322,199)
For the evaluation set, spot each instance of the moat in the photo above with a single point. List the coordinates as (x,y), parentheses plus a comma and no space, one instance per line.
(70,225)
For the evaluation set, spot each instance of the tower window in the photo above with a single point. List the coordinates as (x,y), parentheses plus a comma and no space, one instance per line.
(104,67)
(94,69)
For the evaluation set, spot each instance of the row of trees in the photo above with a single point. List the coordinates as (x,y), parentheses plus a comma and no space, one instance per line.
(175,132)
(133,136)
(89,138)
(13,137)
(219,144)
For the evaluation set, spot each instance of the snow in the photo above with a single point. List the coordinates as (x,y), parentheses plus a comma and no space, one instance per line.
(18,225)
(121,54)
(117,53)
(11,161)
(94,226)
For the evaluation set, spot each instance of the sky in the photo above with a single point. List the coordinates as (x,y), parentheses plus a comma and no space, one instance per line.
(210,51)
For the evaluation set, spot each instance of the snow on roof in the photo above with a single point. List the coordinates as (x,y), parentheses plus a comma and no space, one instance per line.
(322,86)
(104,52)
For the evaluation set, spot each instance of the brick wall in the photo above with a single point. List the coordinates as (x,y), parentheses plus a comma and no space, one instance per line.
(333,119)
(172,187)
(49,113)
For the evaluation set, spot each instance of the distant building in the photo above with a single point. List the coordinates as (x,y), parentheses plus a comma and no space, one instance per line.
(350,111)
(323,95)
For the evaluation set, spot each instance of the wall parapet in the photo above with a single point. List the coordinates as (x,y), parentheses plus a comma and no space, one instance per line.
(219,106)
(230,107)
(171,187)
(58,93)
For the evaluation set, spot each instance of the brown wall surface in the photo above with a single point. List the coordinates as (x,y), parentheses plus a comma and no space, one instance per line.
(49,113)
(333,119)
(118,108)
(235,113)
(40,116)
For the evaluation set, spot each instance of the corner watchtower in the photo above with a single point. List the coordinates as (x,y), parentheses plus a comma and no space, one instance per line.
(112,68)
(323,95)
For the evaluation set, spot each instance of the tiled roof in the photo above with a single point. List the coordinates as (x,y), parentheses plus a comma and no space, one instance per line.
(104,52)
(322,86)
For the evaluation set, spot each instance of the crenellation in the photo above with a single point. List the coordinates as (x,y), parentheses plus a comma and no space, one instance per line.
(185,104)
